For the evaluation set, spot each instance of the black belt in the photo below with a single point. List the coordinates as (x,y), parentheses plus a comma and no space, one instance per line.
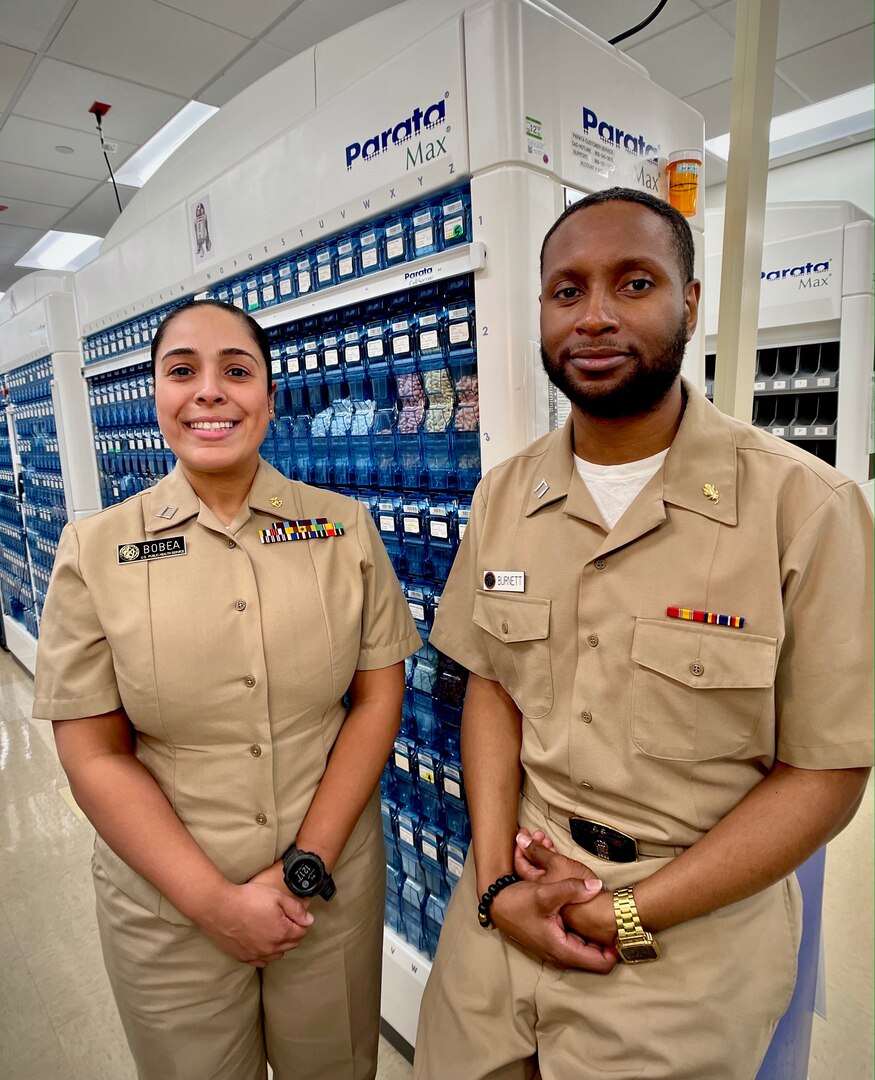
(600,840)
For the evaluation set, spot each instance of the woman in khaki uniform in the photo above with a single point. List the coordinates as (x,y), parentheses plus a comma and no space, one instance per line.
(195,659)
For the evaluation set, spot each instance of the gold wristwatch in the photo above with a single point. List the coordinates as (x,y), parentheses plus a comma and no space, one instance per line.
(634,944)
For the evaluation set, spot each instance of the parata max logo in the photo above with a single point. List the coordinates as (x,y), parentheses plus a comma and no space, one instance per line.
(397,134)
(810,275)
(636,145)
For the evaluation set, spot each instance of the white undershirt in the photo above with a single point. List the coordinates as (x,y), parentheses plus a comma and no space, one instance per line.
(614,487)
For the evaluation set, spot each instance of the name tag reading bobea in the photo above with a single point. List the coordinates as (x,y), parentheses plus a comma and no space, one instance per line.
(504,580)
(144,550)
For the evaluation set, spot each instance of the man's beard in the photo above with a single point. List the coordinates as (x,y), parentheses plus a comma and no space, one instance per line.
(640,390)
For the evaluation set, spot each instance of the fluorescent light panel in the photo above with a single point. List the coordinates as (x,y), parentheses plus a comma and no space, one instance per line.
(61,251)
(815,125)
(152,155)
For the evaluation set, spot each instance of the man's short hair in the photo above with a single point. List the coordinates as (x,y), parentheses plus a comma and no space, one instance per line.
(681,235)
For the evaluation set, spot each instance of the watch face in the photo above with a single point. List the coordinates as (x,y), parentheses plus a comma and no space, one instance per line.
(305,877)
(639,953)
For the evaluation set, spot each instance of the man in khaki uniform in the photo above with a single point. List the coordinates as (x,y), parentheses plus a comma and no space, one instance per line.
(667,619)
(230,658)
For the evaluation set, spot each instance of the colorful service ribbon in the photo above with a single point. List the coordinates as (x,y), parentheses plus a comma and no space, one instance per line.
(713,618)
(303,529)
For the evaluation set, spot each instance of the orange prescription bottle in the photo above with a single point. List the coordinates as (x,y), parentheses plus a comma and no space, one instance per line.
(684,167)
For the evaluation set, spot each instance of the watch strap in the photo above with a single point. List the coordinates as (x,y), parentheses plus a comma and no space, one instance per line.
(626,913)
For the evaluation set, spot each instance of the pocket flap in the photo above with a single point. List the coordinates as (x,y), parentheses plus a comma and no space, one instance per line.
(512,618)
(705,658)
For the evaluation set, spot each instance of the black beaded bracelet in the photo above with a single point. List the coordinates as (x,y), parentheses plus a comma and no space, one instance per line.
(486,899)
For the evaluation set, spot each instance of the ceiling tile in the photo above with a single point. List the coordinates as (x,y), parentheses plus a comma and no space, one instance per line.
(688,58)
(13,64)
(249,19)
(146,42)
(312,21)
(98,212)
(18,238)
(836,67)
(255,62)
(26,23)
(803,24)
(715,104)
(35,215)
(60,93)
(43,185)
(31,142)
(608,20)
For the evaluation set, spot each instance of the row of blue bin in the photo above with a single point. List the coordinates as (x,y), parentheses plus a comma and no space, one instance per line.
(30,382)
(414,233)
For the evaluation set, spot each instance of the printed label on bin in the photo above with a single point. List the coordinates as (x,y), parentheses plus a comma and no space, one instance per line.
(332,358)
(454,866)
(324,273)
(428,339)
(779,384)
(824,380)
(352,354)
(387,523)
(369,257)
(759,386)
(439,529)
(452,788)
(405,834)
(423,237)
(460,332)
(395,248)
(375,349)
(821,431)
(402,762)
(285,286)
(417,611)
(411,525)
(401,344)
(800,384)
(269,293)
(344,266)
(276,367)
(453,227)
(429,849)
(304,281)
(311,361)
(426,773)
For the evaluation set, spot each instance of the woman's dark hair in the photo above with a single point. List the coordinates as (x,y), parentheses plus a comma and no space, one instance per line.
(681,234)
(258,335)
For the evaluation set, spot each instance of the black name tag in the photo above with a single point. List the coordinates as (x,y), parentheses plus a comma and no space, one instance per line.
(143,550)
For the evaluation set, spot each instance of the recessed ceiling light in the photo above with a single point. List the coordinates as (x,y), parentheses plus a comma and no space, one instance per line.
(61,251)
(64,149)
(151,155)
(815,125)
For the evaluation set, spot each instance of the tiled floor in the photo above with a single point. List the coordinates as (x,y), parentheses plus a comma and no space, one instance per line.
(57,1018)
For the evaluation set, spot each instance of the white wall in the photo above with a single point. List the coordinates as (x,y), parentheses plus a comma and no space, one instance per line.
(847,174)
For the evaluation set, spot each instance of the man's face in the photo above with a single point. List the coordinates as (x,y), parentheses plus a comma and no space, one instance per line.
(615,312)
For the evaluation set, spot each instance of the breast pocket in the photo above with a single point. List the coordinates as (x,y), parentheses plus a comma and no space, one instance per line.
(518,643)
(697,693)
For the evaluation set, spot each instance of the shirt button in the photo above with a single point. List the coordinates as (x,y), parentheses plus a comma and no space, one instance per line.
(586,717)
(593,639)
(249,680)
(255,750)
(261,819)
(504,628)
(697,667)
(600,564)
(585,784)
(232,543)
(240,605)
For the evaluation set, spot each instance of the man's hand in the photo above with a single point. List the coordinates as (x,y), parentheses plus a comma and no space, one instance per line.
(593,920)
(530,914)
(257,924)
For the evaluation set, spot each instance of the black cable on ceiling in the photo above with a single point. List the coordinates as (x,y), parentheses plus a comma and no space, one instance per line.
(640,26)
(99,119)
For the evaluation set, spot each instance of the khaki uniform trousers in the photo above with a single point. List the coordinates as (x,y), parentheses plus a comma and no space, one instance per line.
(190,1012)
(706,1010)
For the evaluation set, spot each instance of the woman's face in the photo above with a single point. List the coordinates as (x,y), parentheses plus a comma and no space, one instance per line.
(211,392)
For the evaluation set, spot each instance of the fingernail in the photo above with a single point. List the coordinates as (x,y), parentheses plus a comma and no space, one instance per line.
(523,840)
(593,885)
(308,918)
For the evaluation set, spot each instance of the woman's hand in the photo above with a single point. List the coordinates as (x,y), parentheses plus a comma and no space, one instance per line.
(256,923)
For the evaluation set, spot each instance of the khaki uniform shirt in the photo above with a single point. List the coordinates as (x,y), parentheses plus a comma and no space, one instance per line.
(230,661)
(657,726)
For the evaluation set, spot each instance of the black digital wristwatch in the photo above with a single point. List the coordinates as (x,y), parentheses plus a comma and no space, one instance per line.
(305,875)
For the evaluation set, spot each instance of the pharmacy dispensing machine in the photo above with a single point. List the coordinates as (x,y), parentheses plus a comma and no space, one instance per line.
(377,203)
(47,473)
(815,342)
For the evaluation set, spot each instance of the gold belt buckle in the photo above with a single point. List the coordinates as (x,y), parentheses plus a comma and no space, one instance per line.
(603,841)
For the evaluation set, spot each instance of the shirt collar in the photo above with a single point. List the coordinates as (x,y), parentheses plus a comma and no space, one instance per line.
(173,501)
(699,472)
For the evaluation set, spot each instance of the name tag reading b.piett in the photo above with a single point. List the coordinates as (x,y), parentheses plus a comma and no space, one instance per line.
(144,550)
(504,580)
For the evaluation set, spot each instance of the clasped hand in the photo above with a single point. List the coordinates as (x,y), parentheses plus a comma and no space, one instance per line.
(260,921)
(558,910)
